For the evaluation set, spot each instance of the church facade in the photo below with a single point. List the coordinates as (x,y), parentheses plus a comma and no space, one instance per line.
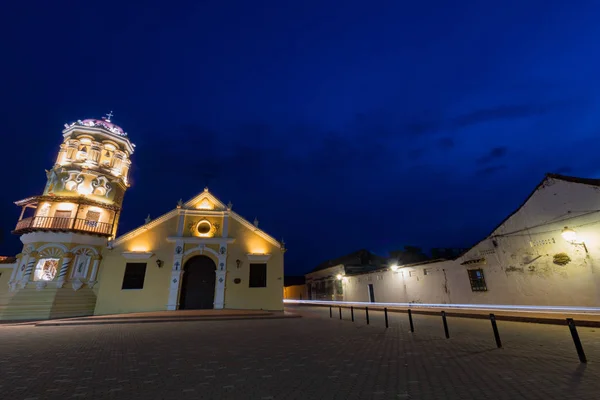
(201,254)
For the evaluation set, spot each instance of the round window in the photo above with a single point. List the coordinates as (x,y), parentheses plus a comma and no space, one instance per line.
(203,227)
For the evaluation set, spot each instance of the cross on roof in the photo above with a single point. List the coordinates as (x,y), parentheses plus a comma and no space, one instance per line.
(109,116)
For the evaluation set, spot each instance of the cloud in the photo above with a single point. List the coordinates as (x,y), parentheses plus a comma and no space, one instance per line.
(490,170)
(500,113)
(493,155)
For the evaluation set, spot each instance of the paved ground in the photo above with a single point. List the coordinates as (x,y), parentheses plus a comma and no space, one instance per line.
(307,358)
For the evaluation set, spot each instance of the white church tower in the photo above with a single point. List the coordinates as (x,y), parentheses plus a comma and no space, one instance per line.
(64,229)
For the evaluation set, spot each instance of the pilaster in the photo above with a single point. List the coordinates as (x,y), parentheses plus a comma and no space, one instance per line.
(92,282)
(220,277)
(29,268)
(62,275)
(176,275)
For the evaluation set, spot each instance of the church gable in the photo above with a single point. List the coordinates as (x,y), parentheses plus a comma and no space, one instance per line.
(205,201)
(166,222)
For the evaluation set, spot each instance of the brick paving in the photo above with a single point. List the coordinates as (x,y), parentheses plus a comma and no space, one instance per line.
(307,358)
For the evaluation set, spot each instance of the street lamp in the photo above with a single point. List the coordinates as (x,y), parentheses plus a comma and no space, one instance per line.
(394,268)
(339,277)
(571,236)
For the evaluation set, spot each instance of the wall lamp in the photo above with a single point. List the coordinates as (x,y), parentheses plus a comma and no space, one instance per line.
(394,268)
(571,236)
(159,262)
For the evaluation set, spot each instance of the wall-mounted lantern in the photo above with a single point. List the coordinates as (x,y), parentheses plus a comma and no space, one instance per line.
(339,277)
(159,262)
(571,236)
(394,268)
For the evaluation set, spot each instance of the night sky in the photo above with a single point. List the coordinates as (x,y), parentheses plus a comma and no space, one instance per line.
(339,124)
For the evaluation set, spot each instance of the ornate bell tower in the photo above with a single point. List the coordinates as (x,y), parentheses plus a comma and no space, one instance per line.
(65,229)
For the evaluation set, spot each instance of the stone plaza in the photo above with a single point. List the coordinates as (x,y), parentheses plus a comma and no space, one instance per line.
(313,357)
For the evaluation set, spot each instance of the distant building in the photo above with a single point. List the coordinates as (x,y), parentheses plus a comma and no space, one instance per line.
(547,252)
(325,280)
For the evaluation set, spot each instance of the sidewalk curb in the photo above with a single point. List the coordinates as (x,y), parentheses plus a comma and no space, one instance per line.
(486,315)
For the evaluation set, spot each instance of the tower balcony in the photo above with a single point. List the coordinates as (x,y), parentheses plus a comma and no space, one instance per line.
(61,224)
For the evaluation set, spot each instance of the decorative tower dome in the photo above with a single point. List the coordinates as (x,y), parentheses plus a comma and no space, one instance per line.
(64,229)
(85,188)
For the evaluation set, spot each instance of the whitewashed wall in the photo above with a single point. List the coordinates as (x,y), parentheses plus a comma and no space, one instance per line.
(520,268)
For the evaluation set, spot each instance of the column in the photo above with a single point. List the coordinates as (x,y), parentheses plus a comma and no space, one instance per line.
(64,268)
(176,276)
(221,277)
(29,268)
(94,273)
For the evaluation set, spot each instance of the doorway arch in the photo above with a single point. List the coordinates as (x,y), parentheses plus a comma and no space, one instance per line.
(198,284)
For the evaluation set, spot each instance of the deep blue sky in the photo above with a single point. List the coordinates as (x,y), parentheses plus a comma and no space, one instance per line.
(339,124)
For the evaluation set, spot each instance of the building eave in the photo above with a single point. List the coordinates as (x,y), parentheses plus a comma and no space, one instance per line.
(120,139)
(71,199)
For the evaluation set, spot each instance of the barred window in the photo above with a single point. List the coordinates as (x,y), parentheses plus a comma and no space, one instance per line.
(477,280)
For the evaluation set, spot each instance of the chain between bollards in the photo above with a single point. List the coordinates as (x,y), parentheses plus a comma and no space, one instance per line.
(412,327)
(367,314)
(352,313)
(445,325)
(340,312)
(386,317)
(495,328)
(576,340)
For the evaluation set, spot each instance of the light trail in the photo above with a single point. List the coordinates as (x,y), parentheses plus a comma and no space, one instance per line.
(555,309)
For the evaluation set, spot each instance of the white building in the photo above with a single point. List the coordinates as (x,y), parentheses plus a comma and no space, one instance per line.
(547,252)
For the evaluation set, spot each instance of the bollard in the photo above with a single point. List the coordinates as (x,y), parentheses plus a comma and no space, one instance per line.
(367,314)
(576,340)
(352,313)
(412,327)
(495,328)
(386,317)
(340,312)
(330,313)
(445,325)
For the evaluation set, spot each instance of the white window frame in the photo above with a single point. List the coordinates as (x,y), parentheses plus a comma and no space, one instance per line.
(86,259)
(39,268)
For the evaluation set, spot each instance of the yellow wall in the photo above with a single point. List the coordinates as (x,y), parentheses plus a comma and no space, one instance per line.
(154,296)
(5,274)
(295,292)
(240,296)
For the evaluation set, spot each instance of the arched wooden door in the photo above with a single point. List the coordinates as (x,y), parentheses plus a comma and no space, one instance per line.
(198,285)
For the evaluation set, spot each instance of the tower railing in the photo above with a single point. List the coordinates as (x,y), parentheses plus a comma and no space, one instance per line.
(62,224)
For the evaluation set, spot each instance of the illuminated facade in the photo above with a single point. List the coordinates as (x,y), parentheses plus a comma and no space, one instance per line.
(546,253)
(65,229)
(199,255)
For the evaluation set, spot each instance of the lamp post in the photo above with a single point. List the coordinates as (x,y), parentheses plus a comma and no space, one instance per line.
(571,236)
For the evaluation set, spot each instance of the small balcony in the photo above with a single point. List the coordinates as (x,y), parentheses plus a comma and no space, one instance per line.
(61,224)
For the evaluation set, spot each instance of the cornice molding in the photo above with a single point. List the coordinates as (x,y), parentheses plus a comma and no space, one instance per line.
(137,255)
(254,229)
(145,227)
(67,199)
(200,240)
(258,257)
